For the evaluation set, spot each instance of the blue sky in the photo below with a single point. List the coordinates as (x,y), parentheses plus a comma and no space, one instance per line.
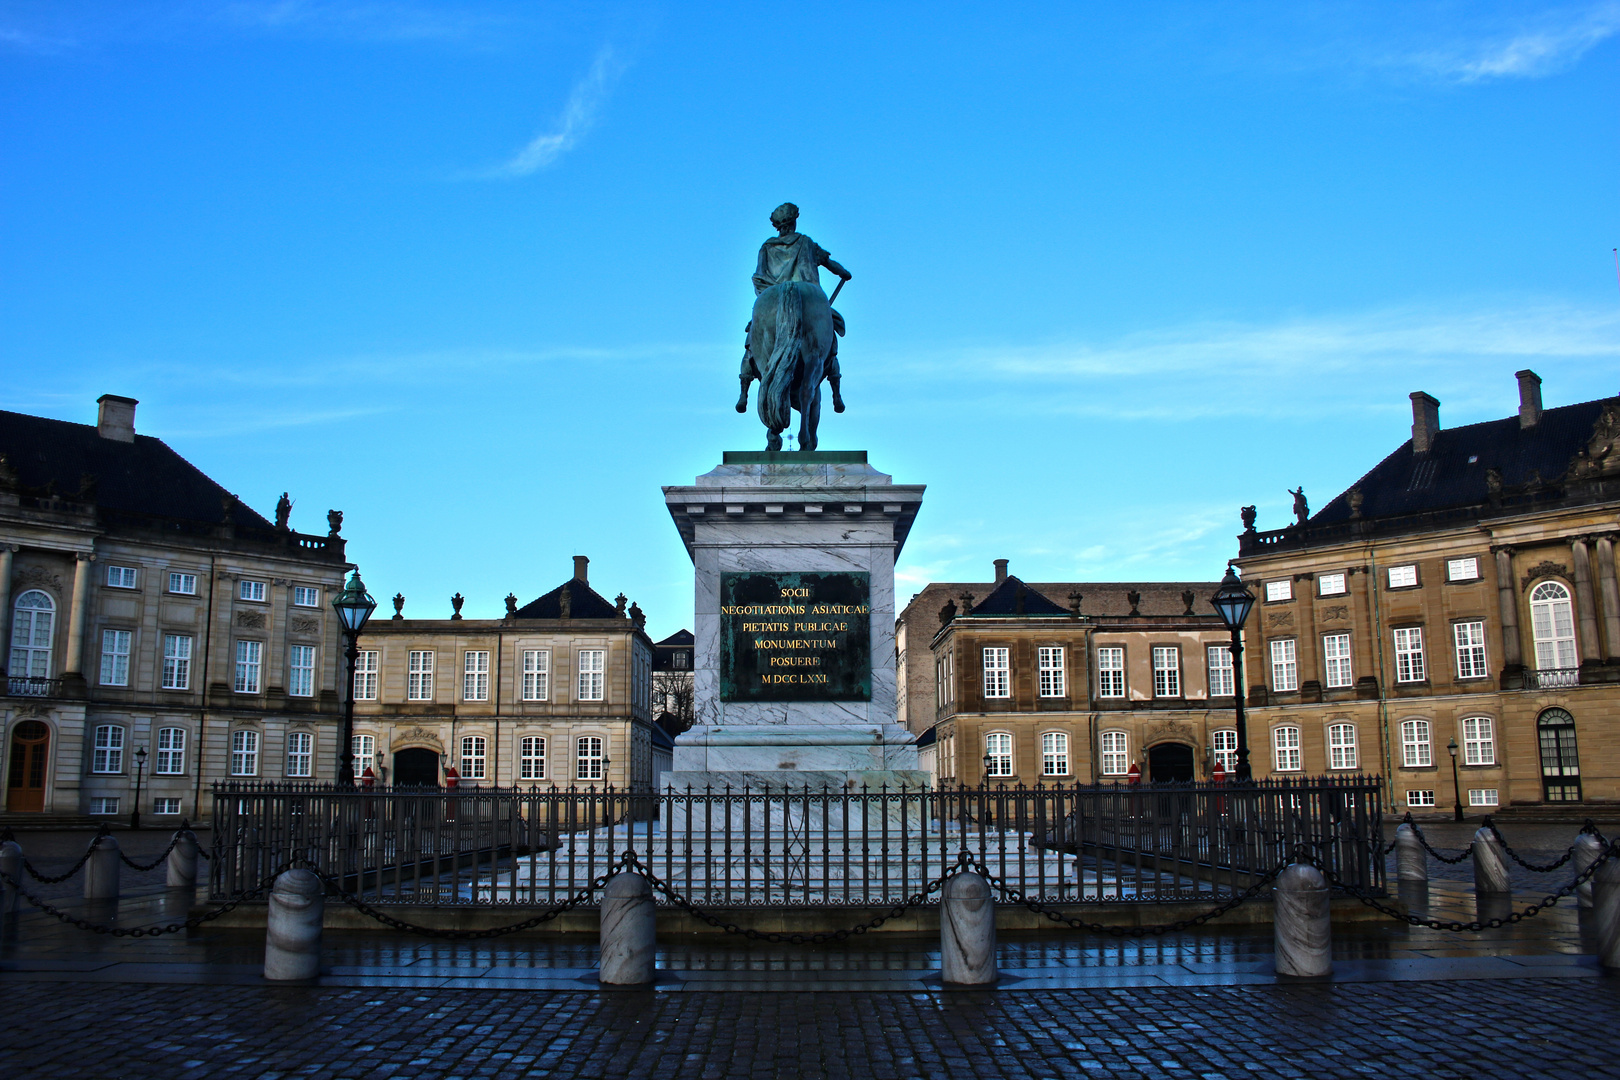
(477,273)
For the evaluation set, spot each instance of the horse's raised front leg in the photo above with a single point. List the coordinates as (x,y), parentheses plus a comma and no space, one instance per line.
(742,400)
(809,418)
(773,439)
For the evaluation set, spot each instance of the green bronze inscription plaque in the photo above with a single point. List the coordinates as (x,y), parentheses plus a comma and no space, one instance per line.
(796,636)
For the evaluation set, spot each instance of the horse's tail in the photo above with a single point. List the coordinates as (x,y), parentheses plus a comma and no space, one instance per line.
(776,378)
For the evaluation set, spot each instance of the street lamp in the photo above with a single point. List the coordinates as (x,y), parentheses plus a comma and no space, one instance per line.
(988,762)
(1456,790)
(140,767)
(1232,602)
(353,606)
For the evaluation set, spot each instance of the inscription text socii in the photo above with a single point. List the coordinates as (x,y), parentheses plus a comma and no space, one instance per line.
(795,636)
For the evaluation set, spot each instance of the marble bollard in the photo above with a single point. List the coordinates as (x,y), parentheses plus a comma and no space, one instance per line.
(1411,861)
(1587,850)
(629,936)
(183,862)
(1303,928)
(101,871)
(292,930)
(1606,912)
(967,931)
(11,866)
(1490,866)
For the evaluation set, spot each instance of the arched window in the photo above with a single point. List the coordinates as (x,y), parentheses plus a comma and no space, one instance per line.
(1560,760)
(1285,747)
(589,759)
(1224,744)
(244,752)
(171,752)
(300,753)
(1341,746)
(532,757)
(33,620)
(1552,621)
(1416,751)
(1054,753)
(109,749)
(998,748)
(1115,754)
(474,757)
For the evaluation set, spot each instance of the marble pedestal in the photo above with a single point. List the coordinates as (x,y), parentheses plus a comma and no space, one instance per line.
(804,512)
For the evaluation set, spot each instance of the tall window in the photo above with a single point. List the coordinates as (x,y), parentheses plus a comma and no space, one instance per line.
(365,675)
(300,753)
(183,584)
(1284,665)
(592,674)
(301,665)
(34,617)
(1166,671)
(475,676)
(176,662)
(419,675)
(1279,590)
(1285,748)
(364,749)
(115,657)
(171,752)
(1050,659)
(1470,638)
(998,748)
(1114,757)
(942,681)
(304,596)
(536,674)
(248,655)
(532,758)
(588,760)
(251,590)
(1416,750)
(1111,672)
(472,757)
(1341,746)
(1336,653)
(1330,584)
(121,577)
(109,749)
(997,673)
(1224,744)
(1479,741)
(1054,754)
(1221,682)
(1462,569)
(1403,577)
(244,752)
(1552,621)
(1409,655)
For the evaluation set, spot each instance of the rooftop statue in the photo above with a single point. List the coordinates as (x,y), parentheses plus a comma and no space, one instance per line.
(792,342)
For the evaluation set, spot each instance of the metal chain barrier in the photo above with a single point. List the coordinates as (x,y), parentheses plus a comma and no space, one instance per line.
(48,879)
(1424,840)
(153,865)
(1589,827)
(191,922)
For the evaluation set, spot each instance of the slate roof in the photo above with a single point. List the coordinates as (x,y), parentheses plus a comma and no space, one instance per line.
(1013,597)
(1159,599)
(586,603)
(680,639)
(53,457)
(1407,483)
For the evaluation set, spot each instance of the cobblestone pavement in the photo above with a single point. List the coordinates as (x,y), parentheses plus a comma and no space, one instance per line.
(1524,1029)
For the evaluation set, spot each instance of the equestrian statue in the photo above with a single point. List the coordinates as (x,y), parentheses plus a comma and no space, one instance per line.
(792,341)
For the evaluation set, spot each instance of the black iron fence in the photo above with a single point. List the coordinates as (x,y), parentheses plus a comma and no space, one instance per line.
(796,848)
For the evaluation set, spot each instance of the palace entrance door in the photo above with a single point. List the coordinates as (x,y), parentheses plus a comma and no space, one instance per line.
(30,750)
(1560,760)
(416,767)
(1170,762)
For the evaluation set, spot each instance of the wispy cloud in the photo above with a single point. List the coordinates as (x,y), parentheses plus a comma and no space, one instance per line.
(383,20)
(1554,43)
(579,115)
(16,40)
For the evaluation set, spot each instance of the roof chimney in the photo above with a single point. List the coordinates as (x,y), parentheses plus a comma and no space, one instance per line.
(1529,398)
(580,564)
(1425,421)
(1001,571)
(116,420)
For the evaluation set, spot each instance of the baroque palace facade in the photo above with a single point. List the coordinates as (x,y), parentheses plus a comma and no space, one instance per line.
(159,633)
(1461,594)
(559,693)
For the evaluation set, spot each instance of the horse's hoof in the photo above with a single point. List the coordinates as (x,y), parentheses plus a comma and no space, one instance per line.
(742,405)
(838,406)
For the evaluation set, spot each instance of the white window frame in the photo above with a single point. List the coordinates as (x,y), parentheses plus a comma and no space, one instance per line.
(249,666)
(1334,584)
(1053,680)
(1552,625)
(1280,590)
(1417,744)
(475,675)
(1223,745)
(306,596)
(1285,749)
(115,647)
(244,752)
(1420,798)
(1337,671)
(104,804)
(1463,569)
(591,668)
(419,675)
(1222,676)
(1479,740)
(33,634)
(1054,753)
(1403,577)
(532,757)
(108,756)
(363,749)
(121,577)
(1483,796)
(1410,666)
(1284,665)
(589,752)
(1111,671)
(1114,757)
(177,661)
(474,757)
(997,672)
(1166,660)
(365,675)
(300,755)
(998,747)
(1342,750)
(301,671)
(250,590)
(1469,638)
(165,806)
(170,759)
(182,584)
(536,674)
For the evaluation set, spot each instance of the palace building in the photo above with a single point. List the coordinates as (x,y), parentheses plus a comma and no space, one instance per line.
(1458,603)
